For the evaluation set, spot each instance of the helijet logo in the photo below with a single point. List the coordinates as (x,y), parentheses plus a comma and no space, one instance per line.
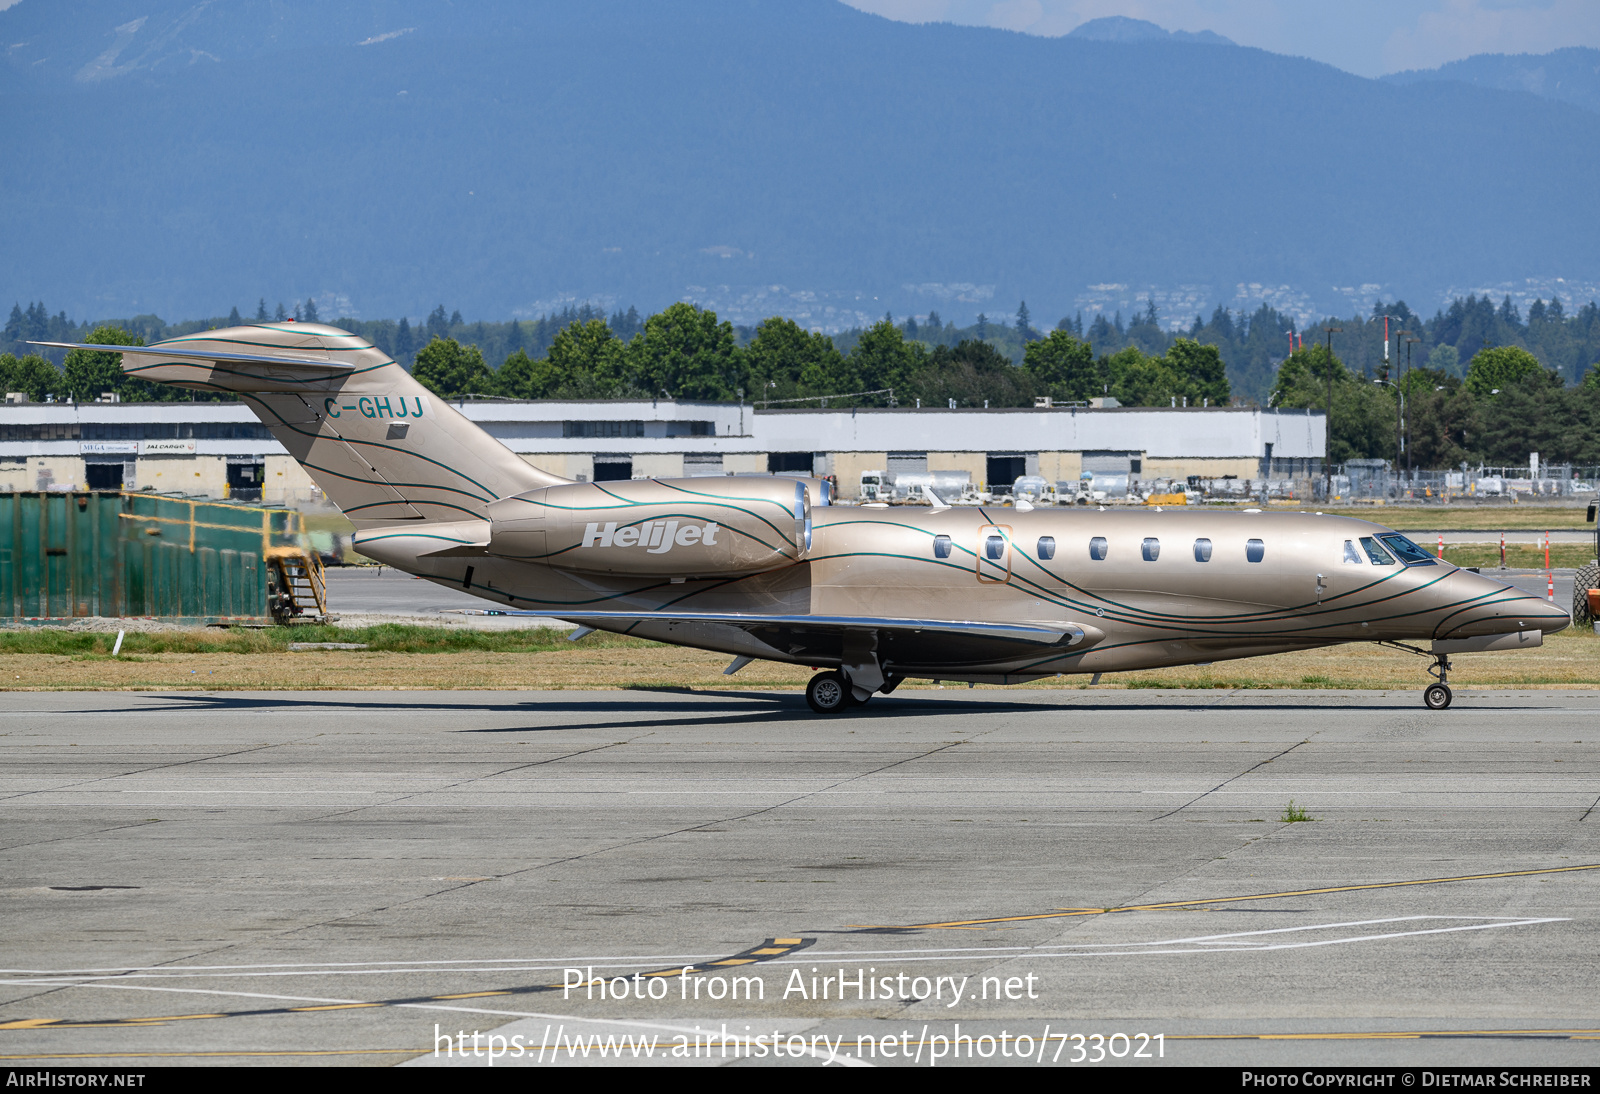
(659,536)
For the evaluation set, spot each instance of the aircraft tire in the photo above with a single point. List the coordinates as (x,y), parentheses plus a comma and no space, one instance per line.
(1437,696)
(1587,577)
(829,693)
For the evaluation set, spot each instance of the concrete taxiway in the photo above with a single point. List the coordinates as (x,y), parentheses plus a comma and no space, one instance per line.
(330,877)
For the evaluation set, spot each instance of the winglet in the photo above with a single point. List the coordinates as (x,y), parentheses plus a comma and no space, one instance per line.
(934,500)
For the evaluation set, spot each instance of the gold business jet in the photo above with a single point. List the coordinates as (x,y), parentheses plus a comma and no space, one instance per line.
(764,567)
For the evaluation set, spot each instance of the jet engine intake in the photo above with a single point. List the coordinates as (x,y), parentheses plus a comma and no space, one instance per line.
(702,527)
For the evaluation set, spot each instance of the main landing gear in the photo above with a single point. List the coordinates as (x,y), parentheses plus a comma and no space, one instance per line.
(831,692)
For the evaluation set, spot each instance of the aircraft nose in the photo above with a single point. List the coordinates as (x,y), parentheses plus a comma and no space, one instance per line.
(1504,608)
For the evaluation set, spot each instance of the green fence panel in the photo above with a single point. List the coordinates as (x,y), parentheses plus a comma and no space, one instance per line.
(73,554)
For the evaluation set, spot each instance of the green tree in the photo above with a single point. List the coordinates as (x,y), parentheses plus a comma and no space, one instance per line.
(1139,380)
(685,353)
(524,377)
(783,361)
(31,375)
(90,374)
(1024,328)
(446,367)
(1444,358)
(973,373)
(1064,367)
(1200,370)
(1441,416)
(588,361)
(882,358)
(1363,423)
(1502,367)
(1534,415)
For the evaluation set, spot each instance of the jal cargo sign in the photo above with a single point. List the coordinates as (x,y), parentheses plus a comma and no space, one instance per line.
(167,448)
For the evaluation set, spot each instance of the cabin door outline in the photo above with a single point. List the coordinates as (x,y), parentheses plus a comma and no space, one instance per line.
(993,571)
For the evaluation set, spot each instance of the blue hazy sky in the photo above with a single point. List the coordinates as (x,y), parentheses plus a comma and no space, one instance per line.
(1367,37)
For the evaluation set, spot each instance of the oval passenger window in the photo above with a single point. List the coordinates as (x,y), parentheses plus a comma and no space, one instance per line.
(1202,550)
(995,548)
(1097,548)
(1254,550)
(1152,549)
(1047,547)
(941,546)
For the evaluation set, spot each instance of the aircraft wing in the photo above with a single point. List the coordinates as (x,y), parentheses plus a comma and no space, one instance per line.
(165,353)
(898,640)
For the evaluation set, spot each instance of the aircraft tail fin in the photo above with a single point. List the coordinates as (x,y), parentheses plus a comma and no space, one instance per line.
(383,447)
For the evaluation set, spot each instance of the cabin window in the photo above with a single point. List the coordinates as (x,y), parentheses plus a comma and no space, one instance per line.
(1409,552)
(994,548)
(1376,553)
(1097,548)
(941,546)
(1351,555)
(1202,550)
(1152,549)
(1047,547)
(1254,550)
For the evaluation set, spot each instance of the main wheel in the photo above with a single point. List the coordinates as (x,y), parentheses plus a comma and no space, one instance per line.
(1587,577)
(828,693)
(1437,696)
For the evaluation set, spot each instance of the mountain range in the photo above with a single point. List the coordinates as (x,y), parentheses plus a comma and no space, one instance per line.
(1570,75)
(761,156)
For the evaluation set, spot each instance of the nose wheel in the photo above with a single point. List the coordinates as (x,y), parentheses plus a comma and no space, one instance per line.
(1437,695)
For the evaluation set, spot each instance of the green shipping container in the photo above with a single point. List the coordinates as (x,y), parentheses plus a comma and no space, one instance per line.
(100,553)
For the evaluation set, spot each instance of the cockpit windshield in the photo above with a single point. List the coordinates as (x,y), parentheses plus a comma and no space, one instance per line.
(1376,553)
(1409,552)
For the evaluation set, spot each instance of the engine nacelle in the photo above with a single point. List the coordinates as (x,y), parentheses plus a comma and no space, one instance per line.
(703,527)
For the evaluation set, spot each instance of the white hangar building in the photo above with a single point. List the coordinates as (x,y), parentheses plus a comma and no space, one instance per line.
(220,449)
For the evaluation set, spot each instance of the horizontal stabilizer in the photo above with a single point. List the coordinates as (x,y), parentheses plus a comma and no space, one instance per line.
(166,353)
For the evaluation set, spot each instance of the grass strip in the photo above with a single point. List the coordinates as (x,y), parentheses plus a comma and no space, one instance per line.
(385,637)
(605,662)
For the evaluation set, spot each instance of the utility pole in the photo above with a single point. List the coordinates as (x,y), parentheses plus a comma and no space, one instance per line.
(1409,343)
(1400,408)
(1327,431)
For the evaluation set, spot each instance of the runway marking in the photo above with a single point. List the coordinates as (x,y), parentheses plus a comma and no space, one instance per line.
(1067,913)
(768,950)
(1241,942)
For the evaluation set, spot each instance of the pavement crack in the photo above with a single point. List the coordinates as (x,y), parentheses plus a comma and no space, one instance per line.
(480,778)
(155,767)
(621,845)
(1233,778)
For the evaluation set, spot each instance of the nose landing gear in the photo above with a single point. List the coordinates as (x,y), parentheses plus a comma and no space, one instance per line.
(1437,696)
